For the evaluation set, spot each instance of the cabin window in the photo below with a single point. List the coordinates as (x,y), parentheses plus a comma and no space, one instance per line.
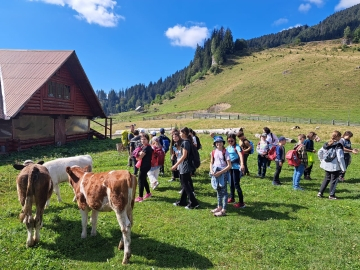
(66,92)
(58,90)
(52,89)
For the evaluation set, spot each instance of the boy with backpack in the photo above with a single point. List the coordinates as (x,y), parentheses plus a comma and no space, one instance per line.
(279,160)
(165,142)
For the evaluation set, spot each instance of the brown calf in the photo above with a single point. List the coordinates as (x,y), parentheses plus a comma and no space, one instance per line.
(34,186)
(102,192)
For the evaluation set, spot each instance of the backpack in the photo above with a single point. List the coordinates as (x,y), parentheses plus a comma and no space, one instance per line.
(292,157)
(194,156)
(252,147)
(136,151)
(124,138)
(329,154)
(272,153)
(198,144)
(157,157)
(165,141)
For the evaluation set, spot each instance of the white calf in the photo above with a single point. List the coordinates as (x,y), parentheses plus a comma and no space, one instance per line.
(57,170)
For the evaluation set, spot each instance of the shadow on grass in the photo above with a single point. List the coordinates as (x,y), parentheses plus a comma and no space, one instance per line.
(100,248)
(265,210)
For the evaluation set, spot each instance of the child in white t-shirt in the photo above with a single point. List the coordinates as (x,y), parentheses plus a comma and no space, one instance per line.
(220,164)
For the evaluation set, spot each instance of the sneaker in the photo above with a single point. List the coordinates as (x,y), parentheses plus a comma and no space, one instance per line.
(156,185)
(139,199)
(148,195)
(177,204)
(230,200)
(189,207)
(332,198)
(320,195)
(220,213)
(239,205)
(276,183)
(217,209)
(180,191)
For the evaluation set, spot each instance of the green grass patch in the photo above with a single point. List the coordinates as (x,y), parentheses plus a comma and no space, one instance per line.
(279,228)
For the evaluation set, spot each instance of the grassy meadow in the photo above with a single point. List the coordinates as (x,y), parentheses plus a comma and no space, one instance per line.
(279,229)
(316,80)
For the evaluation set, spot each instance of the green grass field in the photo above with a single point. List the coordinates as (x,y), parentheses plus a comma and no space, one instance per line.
(317,80)
(279,228)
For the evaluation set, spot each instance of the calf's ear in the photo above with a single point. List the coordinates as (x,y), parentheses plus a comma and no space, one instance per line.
(18,167)
(41,162)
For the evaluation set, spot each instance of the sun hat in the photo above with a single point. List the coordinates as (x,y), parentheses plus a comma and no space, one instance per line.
(218,139)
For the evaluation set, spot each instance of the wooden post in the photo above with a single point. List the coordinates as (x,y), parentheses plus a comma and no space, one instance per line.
(105,127)
(110,128)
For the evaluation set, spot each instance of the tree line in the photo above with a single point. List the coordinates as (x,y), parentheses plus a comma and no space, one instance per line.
(215,52)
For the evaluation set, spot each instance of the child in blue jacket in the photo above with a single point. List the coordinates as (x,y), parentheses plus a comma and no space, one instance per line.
(279,160)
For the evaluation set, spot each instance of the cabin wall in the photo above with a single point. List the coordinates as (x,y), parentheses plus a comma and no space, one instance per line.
(42,103)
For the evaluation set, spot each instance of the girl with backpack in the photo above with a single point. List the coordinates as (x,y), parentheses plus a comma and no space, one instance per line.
(331,157)
(246,148)
(157,161)
(185,167)
(220,164)
(302,155)
(309,147)
(145,156)
(237,168)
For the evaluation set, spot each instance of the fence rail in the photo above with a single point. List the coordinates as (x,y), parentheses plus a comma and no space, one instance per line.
(255,118)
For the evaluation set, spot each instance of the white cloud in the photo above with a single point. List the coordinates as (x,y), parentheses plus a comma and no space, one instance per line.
(280,21)
(343,4)
(93,11)
(187,36)
(304,7)
(319,3)
(296,25)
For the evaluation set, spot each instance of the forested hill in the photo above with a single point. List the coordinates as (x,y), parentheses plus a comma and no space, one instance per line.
(215,51)
(331,28)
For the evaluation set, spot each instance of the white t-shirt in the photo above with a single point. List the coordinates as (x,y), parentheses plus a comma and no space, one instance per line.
(219,158)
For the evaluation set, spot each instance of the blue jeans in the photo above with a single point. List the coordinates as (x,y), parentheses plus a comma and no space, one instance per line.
(298,172)
(222,196)
(262,161)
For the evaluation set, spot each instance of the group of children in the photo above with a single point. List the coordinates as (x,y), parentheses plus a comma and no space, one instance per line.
(334,167)
(229,162)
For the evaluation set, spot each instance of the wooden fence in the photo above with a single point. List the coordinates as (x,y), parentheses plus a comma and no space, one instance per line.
(255,118)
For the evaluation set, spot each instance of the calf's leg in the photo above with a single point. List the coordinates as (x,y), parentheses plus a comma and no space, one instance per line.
(94,218)
(29,226)
(125,241)
(84,220)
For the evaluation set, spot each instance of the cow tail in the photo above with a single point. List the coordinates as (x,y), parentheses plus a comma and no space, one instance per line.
(26,213)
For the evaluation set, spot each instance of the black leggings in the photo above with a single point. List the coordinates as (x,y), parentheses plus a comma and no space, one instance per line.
(142,181)
(235,184)
(187,191)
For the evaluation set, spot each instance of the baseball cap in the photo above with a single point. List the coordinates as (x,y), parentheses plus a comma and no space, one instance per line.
(153,133)
(282,138)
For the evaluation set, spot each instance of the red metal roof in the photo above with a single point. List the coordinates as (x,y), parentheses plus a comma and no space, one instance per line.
(23,72)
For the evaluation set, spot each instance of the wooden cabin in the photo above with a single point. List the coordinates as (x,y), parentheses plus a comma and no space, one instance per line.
(45,99)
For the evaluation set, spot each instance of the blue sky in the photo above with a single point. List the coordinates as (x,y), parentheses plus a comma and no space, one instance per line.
(121,43)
